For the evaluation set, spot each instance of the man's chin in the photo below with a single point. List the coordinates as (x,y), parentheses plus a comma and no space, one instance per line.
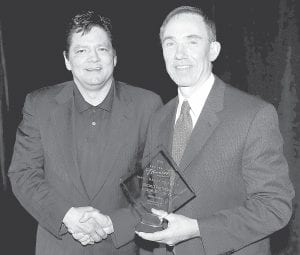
(182,81)
(97,83)
(183,84)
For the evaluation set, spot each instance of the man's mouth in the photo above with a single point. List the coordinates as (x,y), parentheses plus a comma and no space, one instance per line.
(182,67)
(94,69)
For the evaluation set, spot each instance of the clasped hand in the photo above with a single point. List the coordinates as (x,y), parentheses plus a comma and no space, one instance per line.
(87,224)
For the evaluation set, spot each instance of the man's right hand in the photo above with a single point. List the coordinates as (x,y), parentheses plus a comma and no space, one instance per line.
(86,232)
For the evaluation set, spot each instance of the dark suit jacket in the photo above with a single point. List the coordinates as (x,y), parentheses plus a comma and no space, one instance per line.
(44,173)
(234,162)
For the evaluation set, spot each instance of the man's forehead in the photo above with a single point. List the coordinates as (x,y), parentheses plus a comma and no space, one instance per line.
(95,33)
(185,17)
(185,24)
(80,32)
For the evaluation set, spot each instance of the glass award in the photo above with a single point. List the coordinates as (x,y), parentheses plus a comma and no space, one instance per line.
(158,184)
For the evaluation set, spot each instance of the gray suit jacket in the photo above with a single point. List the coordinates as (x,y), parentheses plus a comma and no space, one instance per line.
(44,173)
(234,162)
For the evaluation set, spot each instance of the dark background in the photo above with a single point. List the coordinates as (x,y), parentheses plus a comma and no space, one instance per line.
(33,45)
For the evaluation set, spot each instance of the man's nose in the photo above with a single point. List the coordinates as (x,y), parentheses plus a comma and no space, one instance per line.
(94,55)
(180,51)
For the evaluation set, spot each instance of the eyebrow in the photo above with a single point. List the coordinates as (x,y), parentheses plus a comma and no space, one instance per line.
(192,36)
(79,46)
(107,45)
(168,38)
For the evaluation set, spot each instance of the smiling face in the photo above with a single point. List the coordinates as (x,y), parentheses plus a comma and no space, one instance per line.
(187,50)
(91,59)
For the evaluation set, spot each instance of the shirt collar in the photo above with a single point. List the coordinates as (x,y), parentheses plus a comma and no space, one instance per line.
(197,99)
(82,105)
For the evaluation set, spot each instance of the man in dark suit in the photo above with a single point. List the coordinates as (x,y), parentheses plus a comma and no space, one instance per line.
(227,144)
(74,143)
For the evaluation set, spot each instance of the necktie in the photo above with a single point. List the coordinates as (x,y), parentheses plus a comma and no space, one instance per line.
(182,132)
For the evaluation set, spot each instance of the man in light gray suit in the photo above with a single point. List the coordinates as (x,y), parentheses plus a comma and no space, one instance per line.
(74,143)
(228,145)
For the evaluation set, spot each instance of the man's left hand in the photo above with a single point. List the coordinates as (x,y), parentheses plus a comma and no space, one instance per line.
(179,228)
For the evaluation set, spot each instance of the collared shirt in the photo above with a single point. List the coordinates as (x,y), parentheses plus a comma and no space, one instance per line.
(91,128)
(197,100)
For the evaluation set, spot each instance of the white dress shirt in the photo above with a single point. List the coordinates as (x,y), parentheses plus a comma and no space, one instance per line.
(196,100)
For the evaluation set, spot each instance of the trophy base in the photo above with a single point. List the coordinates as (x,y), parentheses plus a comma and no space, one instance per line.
(149,223)
(143,227)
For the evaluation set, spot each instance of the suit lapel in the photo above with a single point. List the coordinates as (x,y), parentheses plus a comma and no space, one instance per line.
(167,125)
(206,124)
(120,121)
(63,121)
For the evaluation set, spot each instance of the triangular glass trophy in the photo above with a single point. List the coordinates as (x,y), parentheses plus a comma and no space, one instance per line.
(159,184)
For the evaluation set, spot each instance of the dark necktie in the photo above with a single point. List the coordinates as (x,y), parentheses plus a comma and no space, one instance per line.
(182,132)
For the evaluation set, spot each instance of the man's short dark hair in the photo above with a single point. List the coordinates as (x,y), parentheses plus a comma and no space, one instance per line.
(83,23)
(210,24)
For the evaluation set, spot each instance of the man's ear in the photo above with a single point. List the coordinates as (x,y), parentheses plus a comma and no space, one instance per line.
(214,51)
(115,60)
(67,62)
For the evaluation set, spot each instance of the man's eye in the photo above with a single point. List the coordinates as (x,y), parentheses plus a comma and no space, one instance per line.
(103,49)
(193,42)
(169,44)
(80,51)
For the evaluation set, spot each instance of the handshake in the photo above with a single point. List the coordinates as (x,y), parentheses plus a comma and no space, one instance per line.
(87,225)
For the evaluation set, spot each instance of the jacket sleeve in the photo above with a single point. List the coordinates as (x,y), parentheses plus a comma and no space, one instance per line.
(125,219)
(27,174)
(268,206)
